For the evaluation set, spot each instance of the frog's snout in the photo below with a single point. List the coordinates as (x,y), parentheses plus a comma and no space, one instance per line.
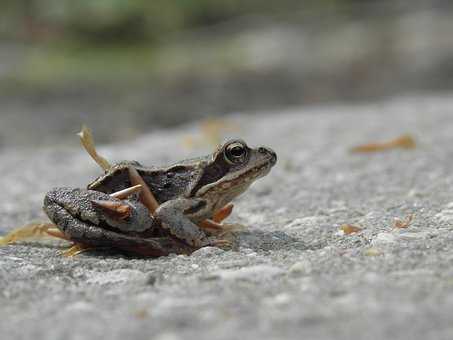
(270,153)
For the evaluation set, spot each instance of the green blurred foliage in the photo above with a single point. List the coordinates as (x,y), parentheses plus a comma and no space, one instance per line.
(119,42)
(105,21)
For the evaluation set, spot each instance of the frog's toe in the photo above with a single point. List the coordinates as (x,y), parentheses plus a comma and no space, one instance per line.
(232,227)
(76,249)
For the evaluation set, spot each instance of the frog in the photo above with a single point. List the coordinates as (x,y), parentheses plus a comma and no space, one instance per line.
(156,211)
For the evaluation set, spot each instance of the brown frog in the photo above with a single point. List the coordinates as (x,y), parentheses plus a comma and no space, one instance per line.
(155,211)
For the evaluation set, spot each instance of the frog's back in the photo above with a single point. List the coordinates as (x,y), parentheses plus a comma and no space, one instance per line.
(164,183)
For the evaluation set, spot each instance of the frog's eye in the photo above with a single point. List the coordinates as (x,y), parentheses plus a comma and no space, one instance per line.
(235,152)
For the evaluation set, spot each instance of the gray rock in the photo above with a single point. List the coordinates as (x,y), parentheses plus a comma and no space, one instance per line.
(290,274)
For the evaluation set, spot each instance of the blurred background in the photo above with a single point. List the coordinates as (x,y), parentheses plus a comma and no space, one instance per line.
(128,67)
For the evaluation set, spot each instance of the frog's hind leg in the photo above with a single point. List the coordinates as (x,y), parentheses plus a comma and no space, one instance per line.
(219,229)
(31,231)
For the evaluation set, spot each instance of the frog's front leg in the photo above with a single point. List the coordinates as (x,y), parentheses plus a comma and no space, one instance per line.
(174,215)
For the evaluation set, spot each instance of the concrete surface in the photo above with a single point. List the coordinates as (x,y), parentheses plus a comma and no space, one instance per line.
(295,274)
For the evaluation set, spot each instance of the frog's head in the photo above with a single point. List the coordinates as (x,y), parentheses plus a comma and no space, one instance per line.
(231,170)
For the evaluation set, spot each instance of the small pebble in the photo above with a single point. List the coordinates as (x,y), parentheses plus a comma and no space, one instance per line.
(384,239)
(253,273)
(301,267)
(207,252)
(372,252)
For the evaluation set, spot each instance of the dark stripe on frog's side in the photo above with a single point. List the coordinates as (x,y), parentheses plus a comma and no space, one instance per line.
(165,184)
(196,208)
(212,173)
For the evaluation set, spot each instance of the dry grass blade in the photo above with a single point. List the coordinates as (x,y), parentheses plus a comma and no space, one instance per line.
(399,223)
(212,131)
(402,142)
(29,231)
(125,193)
(86,138)
(350,229)
(146,196)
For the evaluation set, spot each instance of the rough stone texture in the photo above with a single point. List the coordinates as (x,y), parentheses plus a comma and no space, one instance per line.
(295,274)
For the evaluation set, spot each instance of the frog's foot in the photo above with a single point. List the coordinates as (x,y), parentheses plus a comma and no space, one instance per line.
(220,229)
(146,196)
(231,228)
(210,225)
(215,225)
(29,231)
(76,249)
(215,242)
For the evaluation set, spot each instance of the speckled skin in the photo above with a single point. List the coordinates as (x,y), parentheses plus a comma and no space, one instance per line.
(189,192)
(72,212)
